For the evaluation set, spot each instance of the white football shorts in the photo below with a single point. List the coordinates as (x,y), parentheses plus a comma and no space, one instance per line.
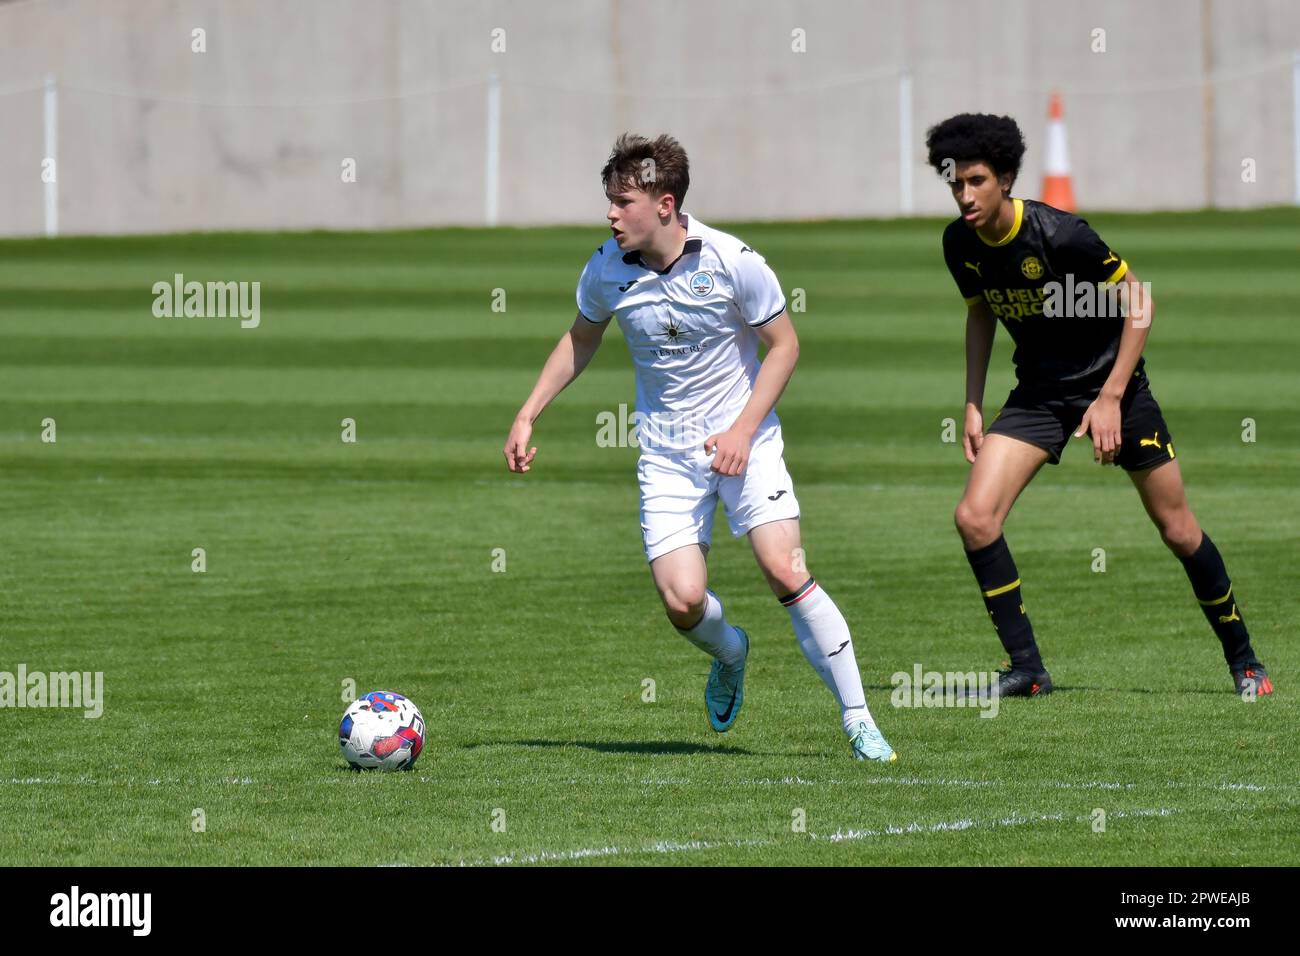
(680,491)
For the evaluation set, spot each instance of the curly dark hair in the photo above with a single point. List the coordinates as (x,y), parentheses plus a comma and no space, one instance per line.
(977,137)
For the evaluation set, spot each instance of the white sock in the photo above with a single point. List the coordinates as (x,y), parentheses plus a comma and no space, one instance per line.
(714,635)
(824,639)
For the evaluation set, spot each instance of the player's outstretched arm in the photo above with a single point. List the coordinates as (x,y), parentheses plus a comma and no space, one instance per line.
(730,449)
(980,329)
(566,362)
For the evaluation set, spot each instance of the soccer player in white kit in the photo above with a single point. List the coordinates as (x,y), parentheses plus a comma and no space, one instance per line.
(693,304)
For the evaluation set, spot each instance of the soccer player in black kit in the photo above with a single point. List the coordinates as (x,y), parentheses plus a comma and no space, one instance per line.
(1076,373)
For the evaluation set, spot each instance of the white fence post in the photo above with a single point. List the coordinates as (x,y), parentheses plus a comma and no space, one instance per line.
(1295,120)
(905,204)
(52,155)
(492,174)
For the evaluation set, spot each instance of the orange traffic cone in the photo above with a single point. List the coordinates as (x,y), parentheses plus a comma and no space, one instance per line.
(1057,190)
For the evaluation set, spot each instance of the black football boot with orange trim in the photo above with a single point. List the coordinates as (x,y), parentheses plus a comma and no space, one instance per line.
(1023,683)
(1251,679)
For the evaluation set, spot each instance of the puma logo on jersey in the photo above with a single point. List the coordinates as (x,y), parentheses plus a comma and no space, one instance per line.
(1234,616)
(1153,442)
(976,266)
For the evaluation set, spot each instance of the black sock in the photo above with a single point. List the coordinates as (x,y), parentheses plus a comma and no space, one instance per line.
(999,582)
(1212,587)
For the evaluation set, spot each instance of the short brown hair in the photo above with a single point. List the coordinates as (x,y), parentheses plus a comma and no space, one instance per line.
(657,166)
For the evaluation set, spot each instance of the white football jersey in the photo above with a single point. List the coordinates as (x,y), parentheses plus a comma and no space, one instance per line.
(690,329)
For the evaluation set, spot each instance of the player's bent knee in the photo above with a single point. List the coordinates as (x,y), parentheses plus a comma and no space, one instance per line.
(786,581)
(1181,534)
(683,603)
(976,526)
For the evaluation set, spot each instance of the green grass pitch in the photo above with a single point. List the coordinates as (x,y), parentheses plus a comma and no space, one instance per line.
(373,562)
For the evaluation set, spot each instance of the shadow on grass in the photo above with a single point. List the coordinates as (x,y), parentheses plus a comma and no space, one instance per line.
(622,746)
(1150,691)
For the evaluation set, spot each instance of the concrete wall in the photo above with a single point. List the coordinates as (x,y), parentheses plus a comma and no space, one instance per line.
(251,134)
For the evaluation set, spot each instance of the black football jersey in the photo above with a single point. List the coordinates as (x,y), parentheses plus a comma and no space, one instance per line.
(1063,352)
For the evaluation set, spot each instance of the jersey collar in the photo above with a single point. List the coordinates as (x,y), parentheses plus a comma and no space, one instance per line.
(693,244)
(1019,205)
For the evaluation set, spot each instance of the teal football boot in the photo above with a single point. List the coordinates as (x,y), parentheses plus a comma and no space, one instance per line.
(869,744)
(725,691)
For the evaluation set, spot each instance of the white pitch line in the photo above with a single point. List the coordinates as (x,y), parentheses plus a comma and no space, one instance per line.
(662,846)
(839,836)
(923,782)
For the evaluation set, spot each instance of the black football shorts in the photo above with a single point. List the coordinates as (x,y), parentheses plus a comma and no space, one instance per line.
(1049,421)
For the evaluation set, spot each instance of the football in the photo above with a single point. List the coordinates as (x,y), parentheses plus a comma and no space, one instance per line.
(382,731)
